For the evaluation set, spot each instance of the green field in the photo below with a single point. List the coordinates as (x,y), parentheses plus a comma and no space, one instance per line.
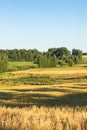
(47,88)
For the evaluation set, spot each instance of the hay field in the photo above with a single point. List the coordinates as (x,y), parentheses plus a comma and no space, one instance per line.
(44,99)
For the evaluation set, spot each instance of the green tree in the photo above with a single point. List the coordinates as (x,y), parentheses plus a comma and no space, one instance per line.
(77,55)
(61,63)
(3,62)
(77,52)
(62,52)
(53,61)
(42,62)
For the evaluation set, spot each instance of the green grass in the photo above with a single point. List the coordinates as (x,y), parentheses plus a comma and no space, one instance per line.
(15,66)
(47,80)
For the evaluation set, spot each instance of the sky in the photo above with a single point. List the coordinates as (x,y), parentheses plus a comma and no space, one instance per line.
(43,24)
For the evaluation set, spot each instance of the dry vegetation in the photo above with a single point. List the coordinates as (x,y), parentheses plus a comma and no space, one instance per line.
(44,99)
(43,118)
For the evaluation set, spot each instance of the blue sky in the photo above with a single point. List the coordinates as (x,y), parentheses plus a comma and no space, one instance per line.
(43,24)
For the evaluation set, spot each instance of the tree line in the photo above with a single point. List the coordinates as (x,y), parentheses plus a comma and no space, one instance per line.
(53,57)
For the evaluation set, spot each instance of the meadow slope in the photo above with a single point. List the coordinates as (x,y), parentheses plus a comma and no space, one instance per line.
(53,99)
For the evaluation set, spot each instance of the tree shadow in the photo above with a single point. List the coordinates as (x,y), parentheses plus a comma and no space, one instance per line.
(38,99)
(6,96)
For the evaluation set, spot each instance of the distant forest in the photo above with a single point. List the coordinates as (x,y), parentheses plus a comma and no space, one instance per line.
(53,57)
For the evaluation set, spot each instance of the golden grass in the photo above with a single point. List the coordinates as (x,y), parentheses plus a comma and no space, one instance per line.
(51,72)
(84,56)
(43,118)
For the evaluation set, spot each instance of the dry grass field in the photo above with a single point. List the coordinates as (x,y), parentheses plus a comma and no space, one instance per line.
(44,99)
(43,118)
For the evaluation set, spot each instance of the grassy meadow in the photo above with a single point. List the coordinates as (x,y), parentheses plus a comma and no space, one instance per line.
(43,98)
(15,66)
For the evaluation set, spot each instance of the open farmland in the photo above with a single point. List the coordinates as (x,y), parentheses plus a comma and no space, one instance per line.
(41,99)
